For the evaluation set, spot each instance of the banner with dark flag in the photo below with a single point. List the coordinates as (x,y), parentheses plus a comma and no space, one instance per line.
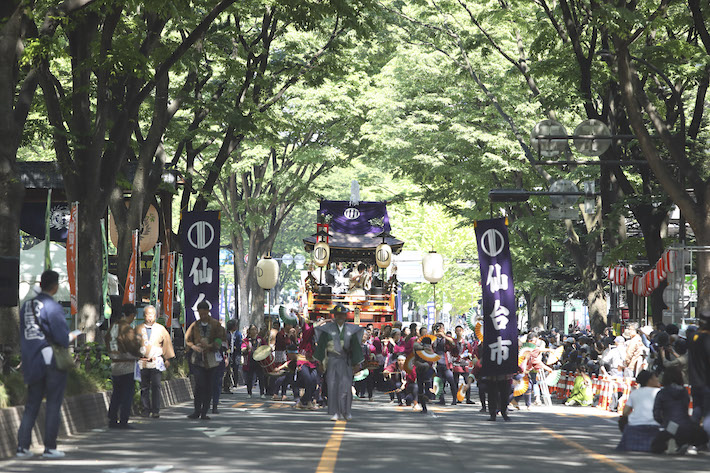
(200,244)
(155,276)
(169,289)
(34,218)
(72,253)
(131,288)
(104,271)
(499,350)
(47,234)
(180,290)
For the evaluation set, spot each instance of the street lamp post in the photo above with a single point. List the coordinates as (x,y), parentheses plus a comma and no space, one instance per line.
(267,275)
(433,269)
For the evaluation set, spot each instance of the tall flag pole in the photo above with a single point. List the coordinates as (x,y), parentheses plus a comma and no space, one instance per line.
(169,289)
(47,239)
(72,252)
(104,264)
(129,294)
(180,289)
(155,275)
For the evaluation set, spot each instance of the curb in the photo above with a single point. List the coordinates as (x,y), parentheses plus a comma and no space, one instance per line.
(79,414)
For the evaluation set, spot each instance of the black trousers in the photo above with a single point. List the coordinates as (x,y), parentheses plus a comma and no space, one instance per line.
(119,408)
(498,395)
(482,391)
(150,390)
(204,381)
(447,376)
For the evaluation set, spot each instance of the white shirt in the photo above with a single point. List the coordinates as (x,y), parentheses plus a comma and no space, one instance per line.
(641,400)
(615,357)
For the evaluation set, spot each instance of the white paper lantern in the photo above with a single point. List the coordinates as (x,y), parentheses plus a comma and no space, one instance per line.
(321,254)
(433,267)
(267,273)
(383,255)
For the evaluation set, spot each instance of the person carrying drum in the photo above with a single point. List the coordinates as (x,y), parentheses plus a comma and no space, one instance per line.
(251,368)
(307,376)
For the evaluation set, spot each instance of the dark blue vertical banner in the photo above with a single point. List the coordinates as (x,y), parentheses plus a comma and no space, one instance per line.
(200,246)
(499,354)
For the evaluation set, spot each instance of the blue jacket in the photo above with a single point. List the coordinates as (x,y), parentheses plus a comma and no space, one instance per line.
(33,339)
(671,404)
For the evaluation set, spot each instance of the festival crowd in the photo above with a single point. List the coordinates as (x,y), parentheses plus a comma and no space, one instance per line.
(323,364)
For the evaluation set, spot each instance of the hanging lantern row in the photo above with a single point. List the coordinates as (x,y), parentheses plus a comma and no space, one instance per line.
(618,275)
(644,285)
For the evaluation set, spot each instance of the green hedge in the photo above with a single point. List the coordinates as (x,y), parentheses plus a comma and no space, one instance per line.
(91,375)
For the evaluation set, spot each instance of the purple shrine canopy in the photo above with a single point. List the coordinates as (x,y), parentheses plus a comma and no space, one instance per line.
(353,230)
(362,219)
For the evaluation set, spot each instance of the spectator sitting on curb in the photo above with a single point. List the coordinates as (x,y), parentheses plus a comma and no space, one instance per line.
(670,409)
(582,391)
(636,422)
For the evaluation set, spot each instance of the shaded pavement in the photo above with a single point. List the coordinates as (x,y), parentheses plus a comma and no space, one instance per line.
(263,436)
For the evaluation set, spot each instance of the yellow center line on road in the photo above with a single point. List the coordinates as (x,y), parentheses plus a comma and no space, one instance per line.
(330,452)
(591,453)
(239,404)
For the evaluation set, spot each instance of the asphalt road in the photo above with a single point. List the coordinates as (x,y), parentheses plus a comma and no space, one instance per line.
(252,435)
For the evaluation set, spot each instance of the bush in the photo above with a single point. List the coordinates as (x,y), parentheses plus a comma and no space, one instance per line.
(91,375)
(93,358)
(177,369)
(81,381)
(4,397)
(13,391)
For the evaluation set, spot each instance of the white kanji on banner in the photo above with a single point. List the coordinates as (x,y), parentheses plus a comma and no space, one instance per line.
(496,279)
(200,275)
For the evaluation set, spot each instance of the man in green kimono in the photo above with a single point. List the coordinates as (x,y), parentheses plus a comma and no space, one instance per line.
(340,351)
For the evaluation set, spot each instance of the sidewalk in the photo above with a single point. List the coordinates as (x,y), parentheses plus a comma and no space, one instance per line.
(79,414)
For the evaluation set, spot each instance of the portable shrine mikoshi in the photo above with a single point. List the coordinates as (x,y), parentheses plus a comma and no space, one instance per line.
(352,232)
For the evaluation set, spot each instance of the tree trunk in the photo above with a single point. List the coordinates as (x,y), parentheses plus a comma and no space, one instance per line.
(702,270)
(598,308)
(584,256)
(14,105)
(12,194)
(243,299)
(125,221)
(258,299)
(89,270)
(537,312)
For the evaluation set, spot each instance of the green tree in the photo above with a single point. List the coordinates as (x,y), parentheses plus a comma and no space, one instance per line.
(106,63)
(27,28)
(662,52)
